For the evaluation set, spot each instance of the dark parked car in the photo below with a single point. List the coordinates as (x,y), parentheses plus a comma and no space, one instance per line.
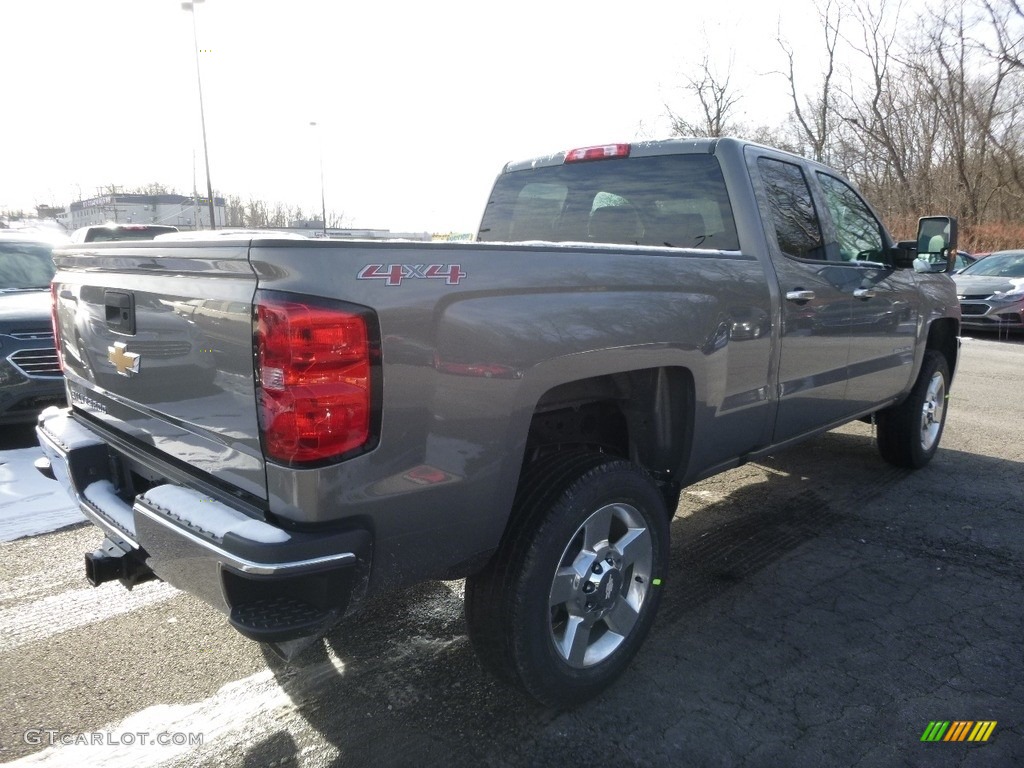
(103,233)
(991,292)
(30,374)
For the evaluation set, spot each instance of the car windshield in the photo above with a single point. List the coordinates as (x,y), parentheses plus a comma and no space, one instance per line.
(998,265)
(25,266)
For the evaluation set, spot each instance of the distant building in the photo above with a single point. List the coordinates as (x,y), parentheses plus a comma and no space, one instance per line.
(181,211)
(48,212)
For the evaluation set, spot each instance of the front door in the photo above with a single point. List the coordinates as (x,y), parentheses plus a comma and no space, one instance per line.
(884,306)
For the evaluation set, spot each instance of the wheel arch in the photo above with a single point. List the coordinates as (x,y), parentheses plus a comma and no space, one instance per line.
(643,415)
(944,337)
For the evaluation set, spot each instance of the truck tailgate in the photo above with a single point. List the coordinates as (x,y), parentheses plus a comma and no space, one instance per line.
(156,341)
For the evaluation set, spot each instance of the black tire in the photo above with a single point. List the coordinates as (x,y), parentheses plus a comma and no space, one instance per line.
(569,597)
(909,433)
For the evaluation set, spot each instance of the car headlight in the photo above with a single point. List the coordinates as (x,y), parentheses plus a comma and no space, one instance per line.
(1014,294)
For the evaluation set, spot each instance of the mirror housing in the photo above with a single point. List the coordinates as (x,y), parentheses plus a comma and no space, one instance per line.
(936,244)
(904,254)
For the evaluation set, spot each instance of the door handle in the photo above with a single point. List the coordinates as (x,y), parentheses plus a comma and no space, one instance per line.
(864,293)
(799,295)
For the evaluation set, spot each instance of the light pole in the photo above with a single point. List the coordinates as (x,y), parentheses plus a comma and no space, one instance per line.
(323,203)
(190,6)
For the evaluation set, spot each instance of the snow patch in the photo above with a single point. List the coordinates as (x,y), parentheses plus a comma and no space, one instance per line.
(101,494)
(246,710)
(31,504)
(39,620)
(210,515)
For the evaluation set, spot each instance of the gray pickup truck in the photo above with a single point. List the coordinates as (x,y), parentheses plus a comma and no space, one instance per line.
(287,428)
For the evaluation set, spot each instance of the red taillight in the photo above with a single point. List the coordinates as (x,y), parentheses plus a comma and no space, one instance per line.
(56,325)
(605,152)
(315,376)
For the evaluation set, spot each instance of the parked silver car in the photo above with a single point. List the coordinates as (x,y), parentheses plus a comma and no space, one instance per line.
(991,292)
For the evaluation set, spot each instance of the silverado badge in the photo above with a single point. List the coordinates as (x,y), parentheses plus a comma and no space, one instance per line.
(126,363)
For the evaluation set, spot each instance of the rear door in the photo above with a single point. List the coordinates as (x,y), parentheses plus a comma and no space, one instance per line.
(156,339)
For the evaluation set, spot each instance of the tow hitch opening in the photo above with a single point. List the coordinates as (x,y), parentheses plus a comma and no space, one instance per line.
(111,562)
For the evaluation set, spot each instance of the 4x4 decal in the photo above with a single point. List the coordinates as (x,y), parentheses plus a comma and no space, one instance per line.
(394,274)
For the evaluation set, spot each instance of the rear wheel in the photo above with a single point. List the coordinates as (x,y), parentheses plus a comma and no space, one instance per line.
(572,592)
(909,433)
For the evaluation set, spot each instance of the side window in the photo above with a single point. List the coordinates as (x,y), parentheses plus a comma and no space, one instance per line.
(792,209)
(859,233)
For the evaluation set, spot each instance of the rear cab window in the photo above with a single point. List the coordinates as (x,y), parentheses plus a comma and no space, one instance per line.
(675,200)
(105,233)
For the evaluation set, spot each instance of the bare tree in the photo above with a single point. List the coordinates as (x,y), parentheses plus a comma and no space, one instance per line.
(886,115)
(814,115)
(1010,43)
(971,88)
(279,216)
(256,214)
(924,114)
(336,220)
(153,188)
(1006,134)
(234,211)
(717,103)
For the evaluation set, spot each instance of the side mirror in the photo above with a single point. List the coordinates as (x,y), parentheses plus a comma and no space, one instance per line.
(936,244)
(904,254)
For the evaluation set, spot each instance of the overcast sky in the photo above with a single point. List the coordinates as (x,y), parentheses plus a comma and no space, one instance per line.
(418,104)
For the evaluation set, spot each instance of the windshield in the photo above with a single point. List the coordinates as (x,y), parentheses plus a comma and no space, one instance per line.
(25,266)
(1010,264)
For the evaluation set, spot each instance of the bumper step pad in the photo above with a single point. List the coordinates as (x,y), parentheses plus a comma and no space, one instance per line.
(276,619)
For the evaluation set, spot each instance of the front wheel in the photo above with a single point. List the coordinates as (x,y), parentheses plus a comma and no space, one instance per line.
(909,433)
(568,599)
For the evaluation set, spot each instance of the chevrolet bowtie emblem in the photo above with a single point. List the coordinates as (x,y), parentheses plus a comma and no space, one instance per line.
(126,363)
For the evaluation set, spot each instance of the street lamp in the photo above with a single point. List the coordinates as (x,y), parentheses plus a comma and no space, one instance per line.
(190,6)
(323,204)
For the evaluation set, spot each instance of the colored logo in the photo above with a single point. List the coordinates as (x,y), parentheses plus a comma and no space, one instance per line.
(958,730)
(124,361)
(394,274)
